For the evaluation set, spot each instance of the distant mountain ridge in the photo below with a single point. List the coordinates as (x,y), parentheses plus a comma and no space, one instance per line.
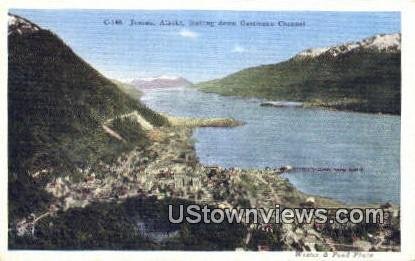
(362,76)
(162,81)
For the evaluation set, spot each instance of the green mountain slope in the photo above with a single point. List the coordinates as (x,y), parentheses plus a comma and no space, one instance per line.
(363,76)
(58,103)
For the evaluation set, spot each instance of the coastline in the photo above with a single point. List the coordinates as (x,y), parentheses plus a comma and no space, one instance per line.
(305,104)
(191,122)
(169,171)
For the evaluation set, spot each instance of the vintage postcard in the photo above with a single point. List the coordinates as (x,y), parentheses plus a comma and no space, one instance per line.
(205,130)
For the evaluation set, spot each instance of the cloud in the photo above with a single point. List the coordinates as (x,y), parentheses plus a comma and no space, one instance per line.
(188,34)
(238,49)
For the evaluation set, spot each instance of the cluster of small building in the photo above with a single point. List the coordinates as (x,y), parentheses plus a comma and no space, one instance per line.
(169,168)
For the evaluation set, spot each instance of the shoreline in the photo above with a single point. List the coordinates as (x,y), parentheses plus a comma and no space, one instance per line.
(306,104)
(193,122)
(169,169)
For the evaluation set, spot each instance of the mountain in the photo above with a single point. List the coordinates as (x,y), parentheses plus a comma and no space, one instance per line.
(129,89)
(57,104)
(360,76)
(160,82)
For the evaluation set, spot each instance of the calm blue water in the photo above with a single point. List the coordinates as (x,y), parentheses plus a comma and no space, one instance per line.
(307,138)
(204,52)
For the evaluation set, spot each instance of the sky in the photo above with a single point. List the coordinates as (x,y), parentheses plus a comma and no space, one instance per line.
(200,52)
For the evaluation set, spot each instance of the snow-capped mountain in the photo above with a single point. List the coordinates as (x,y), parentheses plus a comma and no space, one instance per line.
(381,43)
(362,76)
(19,25)
(163,81)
